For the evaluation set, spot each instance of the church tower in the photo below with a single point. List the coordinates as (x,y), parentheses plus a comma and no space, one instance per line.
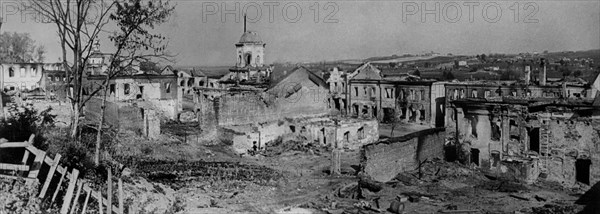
(250,49)
(250,57)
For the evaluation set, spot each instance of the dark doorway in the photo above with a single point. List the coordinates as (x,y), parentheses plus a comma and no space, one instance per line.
(582,170)
(534,139)
(374,109)
(439,112)
(337,104)
(388,115)
(475,156)
(248,59)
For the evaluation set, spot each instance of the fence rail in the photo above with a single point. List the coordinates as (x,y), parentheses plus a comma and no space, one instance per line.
(75,186)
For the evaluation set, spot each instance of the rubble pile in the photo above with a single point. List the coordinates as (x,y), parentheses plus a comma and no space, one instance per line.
(292,143)
(434,170)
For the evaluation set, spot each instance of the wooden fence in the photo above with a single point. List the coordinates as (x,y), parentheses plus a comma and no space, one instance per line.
(75,185)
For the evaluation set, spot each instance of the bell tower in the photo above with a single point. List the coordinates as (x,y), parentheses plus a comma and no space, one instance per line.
(250,49)
(249,68)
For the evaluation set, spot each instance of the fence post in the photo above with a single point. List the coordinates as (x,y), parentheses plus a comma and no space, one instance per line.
(62,178)
(50,175)
(120,195)
(24,161)
(100,206)
(76,200)
(69,195)
(87,198)
(109,193)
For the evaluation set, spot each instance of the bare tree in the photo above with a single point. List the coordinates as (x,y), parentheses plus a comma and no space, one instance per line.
(80,22)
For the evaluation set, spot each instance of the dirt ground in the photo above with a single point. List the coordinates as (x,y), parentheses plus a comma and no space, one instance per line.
(298,181)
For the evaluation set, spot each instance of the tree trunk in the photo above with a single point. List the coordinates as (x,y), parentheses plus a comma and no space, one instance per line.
(74,121)
(100,124)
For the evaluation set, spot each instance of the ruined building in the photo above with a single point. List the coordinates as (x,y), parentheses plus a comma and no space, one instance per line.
(407,99)
(549,130)
(135,99)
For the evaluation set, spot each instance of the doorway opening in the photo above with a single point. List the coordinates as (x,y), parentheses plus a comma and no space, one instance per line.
(582,170)
(475,156)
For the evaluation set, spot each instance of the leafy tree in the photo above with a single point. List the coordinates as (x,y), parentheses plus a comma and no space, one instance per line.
(417,73)
(565,72)
(19,47)
(448,75)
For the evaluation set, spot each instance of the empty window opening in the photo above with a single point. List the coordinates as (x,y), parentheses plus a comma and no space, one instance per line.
(347,136)
(496,131)
(293,129)
(254,146)
(534,140)
(168,87)
(361,133)
(322,133)
(422,94)
(514,130)
(11,72)
(365,110)
(111,89)
(355,91)
(422,114)
(126,88)
(475,156)
(582,170)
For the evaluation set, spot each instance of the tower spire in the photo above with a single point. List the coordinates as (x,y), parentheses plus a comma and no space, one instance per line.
(244,22)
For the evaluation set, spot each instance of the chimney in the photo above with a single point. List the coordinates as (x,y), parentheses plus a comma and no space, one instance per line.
(543,73)
(527,74)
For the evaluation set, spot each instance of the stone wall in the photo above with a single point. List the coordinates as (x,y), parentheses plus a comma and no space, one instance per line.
(383,160)
(257,107)
(570,140)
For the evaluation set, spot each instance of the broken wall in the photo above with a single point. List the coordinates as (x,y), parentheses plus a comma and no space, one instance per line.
(383,160)
(570,140)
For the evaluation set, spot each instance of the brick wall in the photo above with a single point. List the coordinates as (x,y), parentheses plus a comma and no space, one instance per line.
(383,160)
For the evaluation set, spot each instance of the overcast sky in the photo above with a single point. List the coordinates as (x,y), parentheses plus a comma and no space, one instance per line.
(361,29)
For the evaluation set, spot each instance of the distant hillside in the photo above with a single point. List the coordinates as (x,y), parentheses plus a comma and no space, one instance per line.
(592,54)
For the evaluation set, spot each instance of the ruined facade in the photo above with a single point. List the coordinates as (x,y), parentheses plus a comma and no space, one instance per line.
(338,98)
(21,76)
(407,100)
(323,131)
(557,140)
(498,90)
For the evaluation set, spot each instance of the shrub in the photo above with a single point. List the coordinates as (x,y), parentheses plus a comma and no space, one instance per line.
(24,120)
